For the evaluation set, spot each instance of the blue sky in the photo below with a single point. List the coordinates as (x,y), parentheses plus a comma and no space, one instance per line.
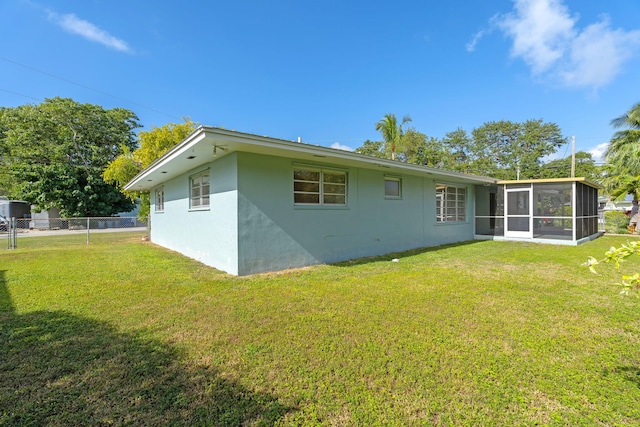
(327,71)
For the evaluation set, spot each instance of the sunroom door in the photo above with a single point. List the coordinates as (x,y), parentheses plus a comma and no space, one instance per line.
(518,212)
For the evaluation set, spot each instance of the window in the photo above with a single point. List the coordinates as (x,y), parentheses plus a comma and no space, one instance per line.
(200,190)
(450,203)
(159,206)
(392,187)
(319,187)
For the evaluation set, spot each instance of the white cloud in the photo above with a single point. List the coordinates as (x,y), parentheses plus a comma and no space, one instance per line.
(471,46)
(546,37)
(339,146)
(74,25)
(540,29)
(598,152)
(598,53)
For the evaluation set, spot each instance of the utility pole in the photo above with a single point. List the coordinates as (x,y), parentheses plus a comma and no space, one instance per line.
(573,157)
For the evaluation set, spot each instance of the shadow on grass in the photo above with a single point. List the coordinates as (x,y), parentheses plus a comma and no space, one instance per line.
(62,369)
(393,255)
(629,373)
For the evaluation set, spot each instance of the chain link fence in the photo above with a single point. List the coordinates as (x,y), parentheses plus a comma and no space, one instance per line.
(12,230)
(15,229)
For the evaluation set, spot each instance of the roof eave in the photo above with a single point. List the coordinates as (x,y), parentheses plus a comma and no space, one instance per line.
(192,139)
(286,147)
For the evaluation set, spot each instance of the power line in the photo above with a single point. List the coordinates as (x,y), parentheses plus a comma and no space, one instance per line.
(20,94)
(82,86)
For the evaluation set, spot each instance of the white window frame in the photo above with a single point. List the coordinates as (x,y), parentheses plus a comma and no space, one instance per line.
(159,202)
(395,179)
(322,193)
(451,203)
(203,199)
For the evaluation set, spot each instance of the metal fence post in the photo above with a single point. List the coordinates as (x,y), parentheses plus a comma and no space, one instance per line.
(13,232)
(88,226)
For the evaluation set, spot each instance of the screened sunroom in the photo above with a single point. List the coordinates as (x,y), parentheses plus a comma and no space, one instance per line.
(562,210)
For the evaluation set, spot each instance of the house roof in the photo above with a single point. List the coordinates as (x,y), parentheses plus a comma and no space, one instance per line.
(206,144)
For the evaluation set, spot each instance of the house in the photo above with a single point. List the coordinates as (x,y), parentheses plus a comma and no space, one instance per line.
(247,204)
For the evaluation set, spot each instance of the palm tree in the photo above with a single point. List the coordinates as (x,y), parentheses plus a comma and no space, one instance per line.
(630,119)
(617,185)
(623,155)
(391,131)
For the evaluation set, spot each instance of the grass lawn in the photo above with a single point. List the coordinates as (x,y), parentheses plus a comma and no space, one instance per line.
(478,334)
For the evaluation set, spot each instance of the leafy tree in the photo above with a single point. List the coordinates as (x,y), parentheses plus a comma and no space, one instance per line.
(504,149)
(616,222)
(458,145)
(8,181)
(372,148)
(622,172)
(416,147)
(509,150)
(391,131)
(561,168)
(53,154)
(153,144)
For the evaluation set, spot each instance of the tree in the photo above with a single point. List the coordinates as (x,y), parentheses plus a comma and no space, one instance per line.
(622,177)
(622,172)
(416,147)
(458,145)
(504,149)
(53,154)
(153,144)
(508,150)
(391,131)
(618,183)
(561,168)
(372,148)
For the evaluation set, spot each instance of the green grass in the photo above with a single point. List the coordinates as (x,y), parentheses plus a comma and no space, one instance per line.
(484,333)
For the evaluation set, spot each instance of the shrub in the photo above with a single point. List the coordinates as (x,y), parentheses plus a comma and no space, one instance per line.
(630,282)
(616,222)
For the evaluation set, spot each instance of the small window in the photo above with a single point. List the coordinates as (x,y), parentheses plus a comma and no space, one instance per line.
(159,205)
(319,187)
(200,190)
(450,203)
(392,187)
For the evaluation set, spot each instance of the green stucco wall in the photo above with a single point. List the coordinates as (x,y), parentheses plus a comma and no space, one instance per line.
(209,235)
(274,234)
(253,226)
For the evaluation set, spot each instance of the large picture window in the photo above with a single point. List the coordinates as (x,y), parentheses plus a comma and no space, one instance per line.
(159,205)
(200,190)
(319,187)
(451,203)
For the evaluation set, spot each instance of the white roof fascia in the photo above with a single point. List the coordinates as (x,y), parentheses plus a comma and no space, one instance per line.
(273,146)
(174,152)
